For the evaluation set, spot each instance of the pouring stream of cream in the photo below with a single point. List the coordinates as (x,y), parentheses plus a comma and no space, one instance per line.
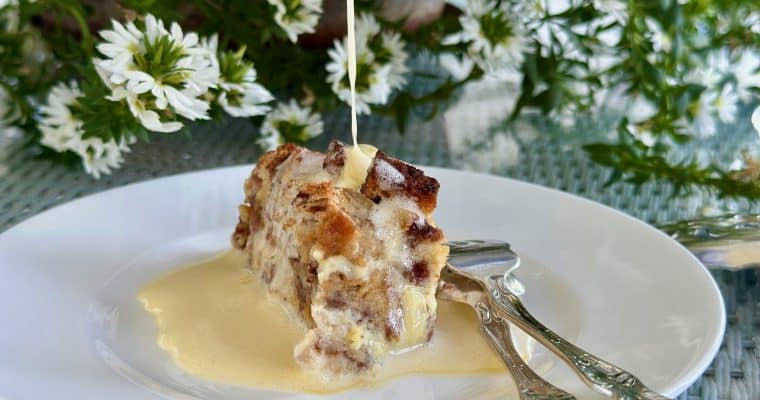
(351,53)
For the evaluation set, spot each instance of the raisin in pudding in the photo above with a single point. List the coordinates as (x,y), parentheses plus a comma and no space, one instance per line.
(346,242)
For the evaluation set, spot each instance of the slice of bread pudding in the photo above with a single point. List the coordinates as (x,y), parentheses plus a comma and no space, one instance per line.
(345,240)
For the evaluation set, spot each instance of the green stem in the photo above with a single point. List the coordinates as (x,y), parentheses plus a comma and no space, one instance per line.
(84,29)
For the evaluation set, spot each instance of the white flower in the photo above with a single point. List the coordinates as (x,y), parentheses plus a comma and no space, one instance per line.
(661,41)
(297,16)
(100,157)
(704,75)
(720,61)
(558,6)
(617,8)
(640,109)
(725,104)
(62,131)
(366,28)
(269,141)
(392,45)
(496,41)
(531,10)
(244,99)
(645,136)
(121,44)
(251,102)
(737,164)
(158,72)
(239,97)
(211,44)
(710,73)
(703,111)
(756,119)
(459,68)
(372,80)
(551,34)
(497,154)
(746,70)
(289,122)
(148,118)
(381,65)
(752,21)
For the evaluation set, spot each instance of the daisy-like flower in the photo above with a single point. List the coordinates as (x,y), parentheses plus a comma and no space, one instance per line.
(237,93)
(746,71)
(725,104)
(289,122)
(531,10)
(703,113)
(246,98)
(159,72)
(380,65)
(121,44)
(719,61)
(389,50)
(366,27)
(459,67)
(99,157)
(297,16)
(640,110)
(756,119)
(62,131)
(710,73)
(661,41)
(495,37)
(617,8)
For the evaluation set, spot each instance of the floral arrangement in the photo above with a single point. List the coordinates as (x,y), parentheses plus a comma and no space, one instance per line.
(85,80)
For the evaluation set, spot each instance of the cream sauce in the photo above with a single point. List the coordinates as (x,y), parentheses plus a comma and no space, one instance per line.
(217,323)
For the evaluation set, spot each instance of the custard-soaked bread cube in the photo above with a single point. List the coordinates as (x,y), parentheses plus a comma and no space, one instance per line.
(358,265)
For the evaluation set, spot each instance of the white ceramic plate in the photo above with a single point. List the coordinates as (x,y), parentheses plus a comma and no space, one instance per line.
(606,281)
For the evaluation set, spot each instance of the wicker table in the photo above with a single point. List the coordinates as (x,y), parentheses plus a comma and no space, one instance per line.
(29,186)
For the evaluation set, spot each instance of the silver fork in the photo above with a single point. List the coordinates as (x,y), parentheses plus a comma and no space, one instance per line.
(488,280)
(530,385)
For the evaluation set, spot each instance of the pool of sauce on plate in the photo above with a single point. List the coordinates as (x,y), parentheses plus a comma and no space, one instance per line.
(217,323)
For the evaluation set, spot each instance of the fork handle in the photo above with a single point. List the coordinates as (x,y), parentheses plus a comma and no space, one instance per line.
(529,384)
(598,374)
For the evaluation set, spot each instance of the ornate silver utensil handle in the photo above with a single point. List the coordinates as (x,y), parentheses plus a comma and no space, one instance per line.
(529,384)
(599,374)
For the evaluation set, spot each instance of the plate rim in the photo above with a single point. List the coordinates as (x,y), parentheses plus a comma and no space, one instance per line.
(678,386)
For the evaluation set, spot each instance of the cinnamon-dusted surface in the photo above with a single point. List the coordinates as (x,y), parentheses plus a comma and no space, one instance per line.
(359,268)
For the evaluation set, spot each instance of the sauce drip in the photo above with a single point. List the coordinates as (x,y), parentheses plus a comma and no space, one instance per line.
(217,323)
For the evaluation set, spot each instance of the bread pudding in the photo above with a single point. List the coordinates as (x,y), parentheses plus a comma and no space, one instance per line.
(346,242)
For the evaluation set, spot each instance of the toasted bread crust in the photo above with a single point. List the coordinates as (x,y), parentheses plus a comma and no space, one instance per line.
(414,185)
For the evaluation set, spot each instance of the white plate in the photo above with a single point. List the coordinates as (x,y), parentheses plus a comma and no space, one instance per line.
(608,282)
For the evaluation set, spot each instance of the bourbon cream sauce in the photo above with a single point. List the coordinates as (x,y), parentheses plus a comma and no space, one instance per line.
(218,323)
